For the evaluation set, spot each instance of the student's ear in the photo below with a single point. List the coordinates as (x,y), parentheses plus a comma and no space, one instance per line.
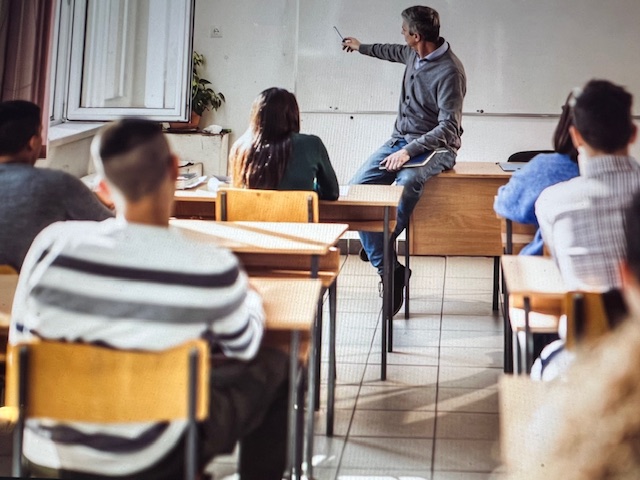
(576,138)
(634,134)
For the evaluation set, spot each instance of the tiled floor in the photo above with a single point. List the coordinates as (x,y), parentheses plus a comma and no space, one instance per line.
(436,415)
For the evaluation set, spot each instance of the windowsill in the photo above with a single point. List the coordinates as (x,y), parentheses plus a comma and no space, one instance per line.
(71,132)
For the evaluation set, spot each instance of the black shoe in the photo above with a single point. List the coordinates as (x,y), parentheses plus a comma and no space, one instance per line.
(363,255)
(398,287)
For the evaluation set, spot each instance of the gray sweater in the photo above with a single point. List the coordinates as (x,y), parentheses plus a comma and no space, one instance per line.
(430,109)
(33,198)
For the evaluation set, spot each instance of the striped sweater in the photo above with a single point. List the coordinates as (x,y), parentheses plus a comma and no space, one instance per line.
(128,286)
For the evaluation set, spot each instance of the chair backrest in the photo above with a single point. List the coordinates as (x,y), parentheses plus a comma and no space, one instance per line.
(590,315)
(7,270)
(105,385)
(254,205)
(526,155)
(72,382)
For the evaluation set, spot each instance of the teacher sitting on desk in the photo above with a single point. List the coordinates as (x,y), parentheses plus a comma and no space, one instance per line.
(429,118)
(273,155)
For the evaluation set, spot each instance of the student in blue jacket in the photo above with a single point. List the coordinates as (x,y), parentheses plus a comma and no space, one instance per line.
(516,200)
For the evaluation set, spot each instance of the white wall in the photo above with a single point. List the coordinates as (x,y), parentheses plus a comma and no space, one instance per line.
(258,49)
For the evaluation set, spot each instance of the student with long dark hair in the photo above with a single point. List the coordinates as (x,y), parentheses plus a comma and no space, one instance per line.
(516,200)
(272,154)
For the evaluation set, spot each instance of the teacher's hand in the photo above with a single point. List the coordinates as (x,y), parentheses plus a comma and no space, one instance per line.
(350,44)
(396,160)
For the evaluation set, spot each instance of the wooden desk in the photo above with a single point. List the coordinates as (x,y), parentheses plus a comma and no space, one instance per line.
(362,207)
(455,214)
(534,284)
(254,240)
(372,208)
(290,308)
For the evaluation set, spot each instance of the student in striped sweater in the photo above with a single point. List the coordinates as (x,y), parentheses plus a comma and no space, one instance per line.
(132,282)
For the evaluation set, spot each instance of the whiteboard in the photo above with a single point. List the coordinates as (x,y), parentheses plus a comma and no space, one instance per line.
(520,56)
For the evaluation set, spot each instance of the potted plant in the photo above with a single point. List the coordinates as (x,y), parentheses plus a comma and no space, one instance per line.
(203,97)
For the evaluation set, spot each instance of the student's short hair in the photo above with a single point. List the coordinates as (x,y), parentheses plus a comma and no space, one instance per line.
(602,115)
(423,20)
(562,142)
(19,121)
(632,235)
(134,156)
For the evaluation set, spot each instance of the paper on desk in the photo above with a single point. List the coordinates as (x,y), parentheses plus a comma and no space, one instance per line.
(184,182)
(344,190)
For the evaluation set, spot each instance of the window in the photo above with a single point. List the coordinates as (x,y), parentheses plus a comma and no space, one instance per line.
(122,57)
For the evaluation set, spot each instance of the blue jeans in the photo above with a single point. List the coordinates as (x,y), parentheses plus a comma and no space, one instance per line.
(412,179)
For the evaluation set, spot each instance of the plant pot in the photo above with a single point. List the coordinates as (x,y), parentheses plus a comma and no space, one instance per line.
(190,125)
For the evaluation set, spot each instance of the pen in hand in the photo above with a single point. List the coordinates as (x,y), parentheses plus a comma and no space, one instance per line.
(339,34)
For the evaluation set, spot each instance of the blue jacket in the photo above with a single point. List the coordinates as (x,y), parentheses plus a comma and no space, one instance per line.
(516,200)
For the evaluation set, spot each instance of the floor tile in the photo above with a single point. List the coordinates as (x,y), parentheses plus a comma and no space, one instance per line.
(416,321)
(380,423)
(382,474)
(414,338)
(346,396)
(327,451)
(466,455)
(473,426)
(396,398)
(382,452)
(471,357)
(471,339)
(467,400)
(411,375)
(467,377)
(461,306)
(346,373)
(342,422)
(467,476)
(483,323)
(410,356)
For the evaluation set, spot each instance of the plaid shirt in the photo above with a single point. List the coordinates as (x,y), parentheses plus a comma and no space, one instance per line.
(582,221)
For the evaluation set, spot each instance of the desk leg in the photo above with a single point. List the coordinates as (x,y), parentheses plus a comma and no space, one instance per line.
(528,337)
(293,424)
(508,333)
(407,256)
(386,294)
(496,281)
(318,349)
(311,398)
(331,380)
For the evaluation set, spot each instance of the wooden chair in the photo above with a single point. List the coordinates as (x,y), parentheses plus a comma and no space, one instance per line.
(7,270)
(590,315)
(533,293)
(253,205)
(289,206)
(8,283)
(526,155)
(514,236)
(71,382)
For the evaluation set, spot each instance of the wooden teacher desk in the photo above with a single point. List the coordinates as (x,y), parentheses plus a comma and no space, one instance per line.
(455,215)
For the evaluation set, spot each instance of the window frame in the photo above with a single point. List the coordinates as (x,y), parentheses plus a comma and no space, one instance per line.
(67,71)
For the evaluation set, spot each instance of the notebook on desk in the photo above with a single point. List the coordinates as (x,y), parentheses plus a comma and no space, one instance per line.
(511,166)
